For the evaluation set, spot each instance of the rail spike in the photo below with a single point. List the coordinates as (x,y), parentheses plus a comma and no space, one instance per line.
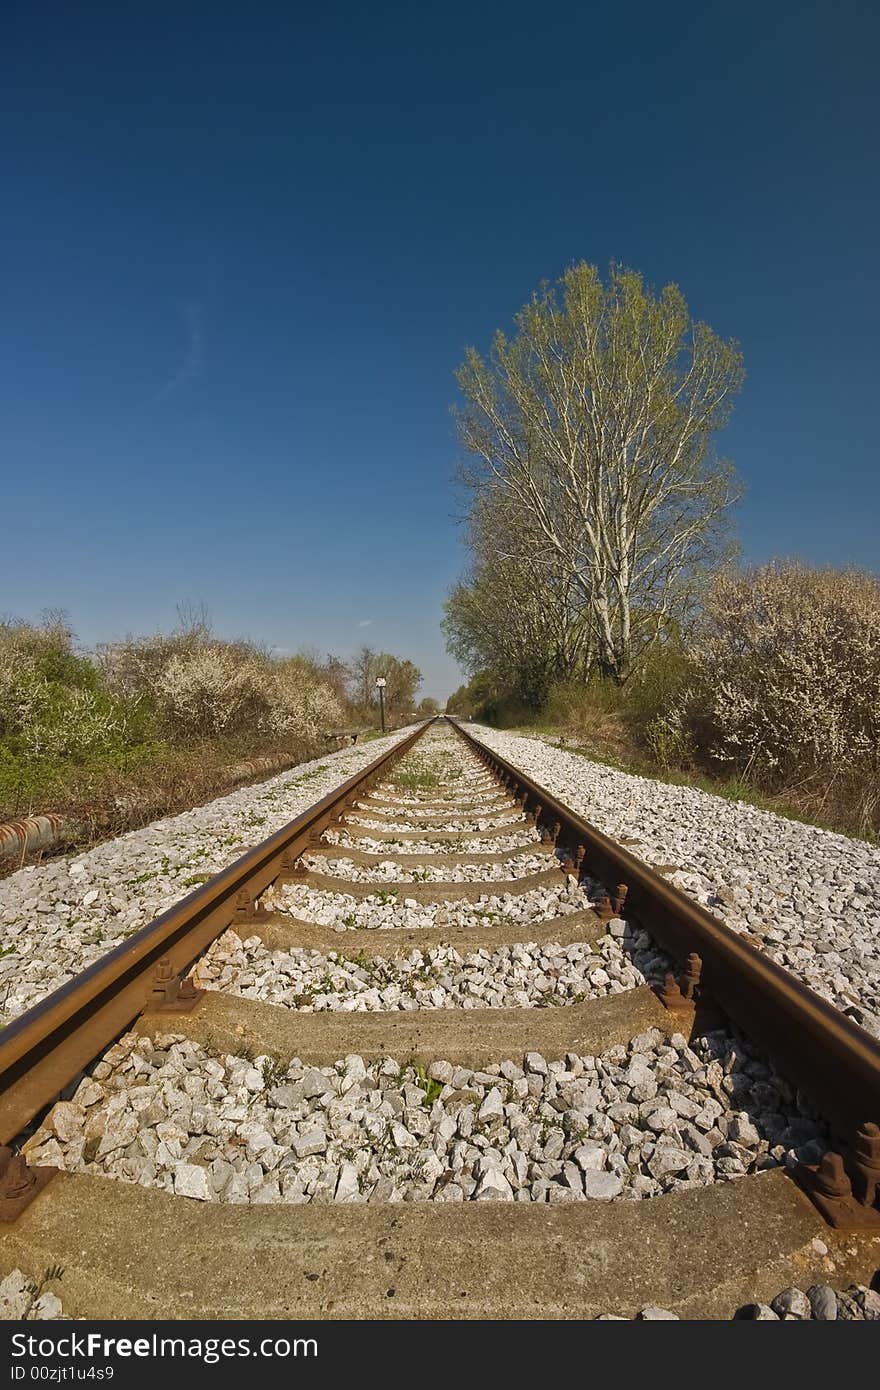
(690,981)
(866,1164)
(172,993)
(682,994)
(845,1205)
(19,1184)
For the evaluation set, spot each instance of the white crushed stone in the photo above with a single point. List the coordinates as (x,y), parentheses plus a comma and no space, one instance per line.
(525,975)
(389,871)
(27,1300)
(56,918)
(812,897)
(386,909)
(458,845)
(656,1116)
(818,1303)
(482,799)
(461,827)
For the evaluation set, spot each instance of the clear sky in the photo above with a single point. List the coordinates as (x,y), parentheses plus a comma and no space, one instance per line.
(242,249)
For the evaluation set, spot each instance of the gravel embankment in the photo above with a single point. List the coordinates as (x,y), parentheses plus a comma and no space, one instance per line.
(384,909)
(809,896)
(56,918)
(522,976)
(637,1121)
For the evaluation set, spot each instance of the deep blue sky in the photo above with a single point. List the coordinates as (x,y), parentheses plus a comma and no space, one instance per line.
(242,249)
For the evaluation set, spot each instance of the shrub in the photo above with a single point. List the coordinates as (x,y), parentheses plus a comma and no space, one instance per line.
(51,701)
(201,687)
(210,691)
(786,672)
(591,711)
(147,725)
(300,703)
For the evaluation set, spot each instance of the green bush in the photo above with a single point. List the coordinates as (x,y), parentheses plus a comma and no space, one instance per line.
(144,717)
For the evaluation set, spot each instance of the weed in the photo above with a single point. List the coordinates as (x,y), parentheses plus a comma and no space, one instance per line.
(433,1089)
(35,1289)
(360,958)
(274,1072)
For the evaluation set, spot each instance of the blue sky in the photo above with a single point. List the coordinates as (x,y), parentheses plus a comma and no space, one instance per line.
(243,248)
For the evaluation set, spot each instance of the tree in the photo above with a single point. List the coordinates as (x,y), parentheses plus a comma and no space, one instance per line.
(522,621)
(364,672)
(336,674)
(477,699)
(428,707)
(590,433)
(402,680)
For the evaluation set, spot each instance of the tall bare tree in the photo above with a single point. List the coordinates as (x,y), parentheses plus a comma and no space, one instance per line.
(591,431)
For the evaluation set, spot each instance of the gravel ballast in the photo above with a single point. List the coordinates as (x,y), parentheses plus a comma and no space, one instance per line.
(460,826)
(521,976)
(818,1303)
(810,898)
(454,845)
(57,918)
(386,909)
(391,872)
(656,1116)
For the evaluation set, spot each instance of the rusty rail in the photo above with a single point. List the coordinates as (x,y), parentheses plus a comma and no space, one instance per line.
(828,1056)
(47,1046)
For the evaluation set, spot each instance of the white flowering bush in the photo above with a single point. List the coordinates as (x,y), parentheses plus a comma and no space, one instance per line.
(210,691)
(229,688)
(69,723)
(786,673)
(301,705)
(51,703)
(147,725)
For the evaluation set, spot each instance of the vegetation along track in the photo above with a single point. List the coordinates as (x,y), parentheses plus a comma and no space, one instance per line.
(564,1088)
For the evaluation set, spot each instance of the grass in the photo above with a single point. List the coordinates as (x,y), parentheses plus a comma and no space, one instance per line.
(417,781)
(105,797)
(426,771)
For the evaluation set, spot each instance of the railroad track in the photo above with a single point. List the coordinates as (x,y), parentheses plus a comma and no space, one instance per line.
(436,1048)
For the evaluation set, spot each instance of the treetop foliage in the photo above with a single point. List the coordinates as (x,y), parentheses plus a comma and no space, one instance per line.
(595,486)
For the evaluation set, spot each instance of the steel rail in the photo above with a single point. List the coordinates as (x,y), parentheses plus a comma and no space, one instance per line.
(46,1047)
(830,1058)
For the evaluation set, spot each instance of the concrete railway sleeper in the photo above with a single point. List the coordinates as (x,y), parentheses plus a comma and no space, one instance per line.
(496,1065)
